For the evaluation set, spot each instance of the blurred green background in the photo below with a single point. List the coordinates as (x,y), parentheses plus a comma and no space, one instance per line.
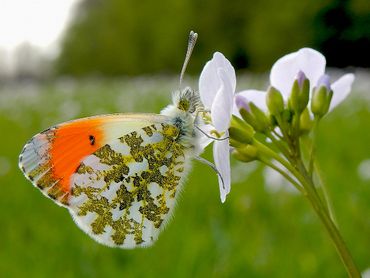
(262,230)
(115,37)
(114,55)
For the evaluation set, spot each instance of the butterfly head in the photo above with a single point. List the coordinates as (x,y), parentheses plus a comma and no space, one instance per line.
(187,100)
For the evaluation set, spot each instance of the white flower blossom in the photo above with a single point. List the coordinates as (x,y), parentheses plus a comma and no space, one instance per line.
(217,84)
(312,63)
(286,69)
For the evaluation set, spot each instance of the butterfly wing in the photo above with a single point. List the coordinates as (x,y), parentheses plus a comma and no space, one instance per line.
(117,174)
(123,194)
(50,158)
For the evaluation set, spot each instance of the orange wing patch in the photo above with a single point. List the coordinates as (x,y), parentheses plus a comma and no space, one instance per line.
(75,140)
(51,157)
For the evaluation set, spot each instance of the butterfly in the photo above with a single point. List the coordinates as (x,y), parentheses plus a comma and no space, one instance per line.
(119,174)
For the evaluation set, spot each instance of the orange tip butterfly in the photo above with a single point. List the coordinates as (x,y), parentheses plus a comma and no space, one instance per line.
(119,174)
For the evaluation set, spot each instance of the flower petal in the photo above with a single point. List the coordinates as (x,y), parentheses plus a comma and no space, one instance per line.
(225,64)
(285,70)
(209,81)
(223,103)
(221,155)
(324,80)
(209,84)
(203,140)
(255,96)
(341,89)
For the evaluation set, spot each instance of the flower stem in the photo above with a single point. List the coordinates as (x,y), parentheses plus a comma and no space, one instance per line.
(279,145)
(324,215)
(284,174)
(313,148)
(335,236)
(309,191)
(325,193)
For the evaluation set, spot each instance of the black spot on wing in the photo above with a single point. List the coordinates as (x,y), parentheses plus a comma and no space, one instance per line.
(92,140)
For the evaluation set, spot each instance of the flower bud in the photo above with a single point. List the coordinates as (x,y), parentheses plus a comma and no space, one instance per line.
(305,121)
(244,109)
(300,92)
(274,101)
(293,97)
(235,144)
(246,153)
(252,115)
(247,117)
(301,77)
(240,131)
(261,122)
(321,97)
(304,94)
(242,103)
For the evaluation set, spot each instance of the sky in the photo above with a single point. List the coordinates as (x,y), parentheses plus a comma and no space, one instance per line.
(39,23)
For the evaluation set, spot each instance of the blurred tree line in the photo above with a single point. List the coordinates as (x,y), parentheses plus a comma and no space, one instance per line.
(127,37)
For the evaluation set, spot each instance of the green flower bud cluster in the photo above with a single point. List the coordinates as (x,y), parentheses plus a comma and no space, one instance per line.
(294,118)
(241,138)
(284,122)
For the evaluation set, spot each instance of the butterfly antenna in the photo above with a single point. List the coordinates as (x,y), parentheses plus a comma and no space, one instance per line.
(210,164)
(191,43)
(209,136)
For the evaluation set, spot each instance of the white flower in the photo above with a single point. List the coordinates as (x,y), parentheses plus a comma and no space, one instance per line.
(217,84)
(312,64)
(285,70)
(217,91)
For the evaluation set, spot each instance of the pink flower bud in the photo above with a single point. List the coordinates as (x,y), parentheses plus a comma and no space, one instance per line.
(242,103)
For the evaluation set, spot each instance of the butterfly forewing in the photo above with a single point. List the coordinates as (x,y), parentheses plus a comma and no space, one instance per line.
(124,192)
(51,157)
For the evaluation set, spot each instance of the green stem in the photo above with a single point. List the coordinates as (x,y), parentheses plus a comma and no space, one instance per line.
(284,174)
(310,193)
(324,190)
(334,234)
(277,134)
(313,149)
(268,152)
(313,165)
(283,127)
(309,173)
(324,214)
(279,145)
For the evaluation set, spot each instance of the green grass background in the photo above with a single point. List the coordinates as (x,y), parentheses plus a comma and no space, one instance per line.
(256,233)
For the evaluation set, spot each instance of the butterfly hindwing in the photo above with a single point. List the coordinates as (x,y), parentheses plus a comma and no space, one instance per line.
(125,191)
(51,157)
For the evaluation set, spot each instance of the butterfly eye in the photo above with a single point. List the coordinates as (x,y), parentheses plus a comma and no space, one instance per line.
(92,140)
(184,104)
